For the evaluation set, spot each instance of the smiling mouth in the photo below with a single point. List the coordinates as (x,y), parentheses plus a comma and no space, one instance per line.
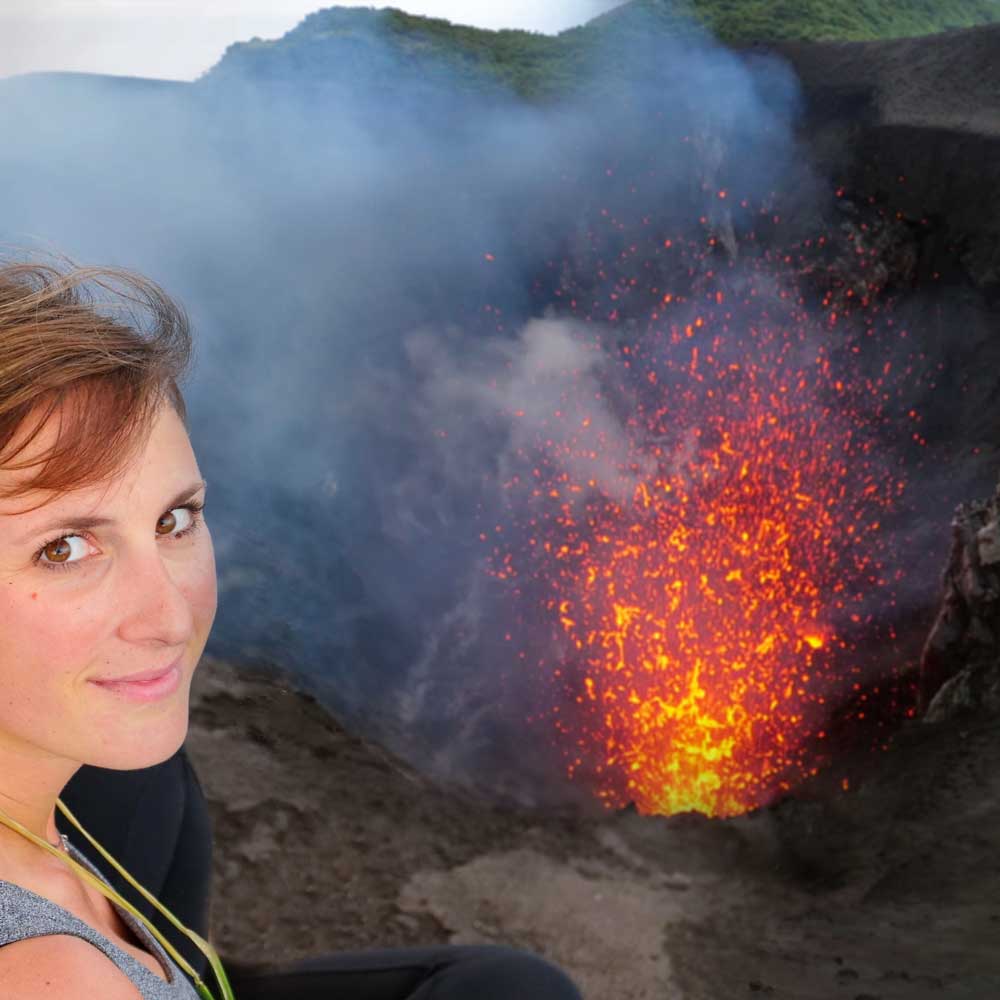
(145,686)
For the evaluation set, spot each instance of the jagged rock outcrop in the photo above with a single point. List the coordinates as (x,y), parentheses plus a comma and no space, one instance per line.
(960,668)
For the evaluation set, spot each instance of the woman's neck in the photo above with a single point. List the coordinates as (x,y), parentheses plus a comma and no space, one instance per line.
(29,788)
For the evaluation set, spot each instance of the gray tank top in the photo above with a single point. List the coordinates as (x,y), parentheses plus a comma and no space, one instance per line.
(24,914)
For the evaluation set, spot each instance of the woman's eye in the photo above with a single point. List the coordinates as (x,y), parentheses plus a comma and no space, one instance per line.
(70,549)
(175,521)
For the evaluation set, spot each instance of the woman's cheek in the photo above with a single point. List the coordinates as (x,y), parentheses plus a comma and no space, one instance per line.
(50,625)
(202,589)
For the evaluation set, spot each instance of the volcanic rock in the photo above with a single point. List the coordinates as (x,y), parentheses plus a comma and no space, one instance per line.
(960,668)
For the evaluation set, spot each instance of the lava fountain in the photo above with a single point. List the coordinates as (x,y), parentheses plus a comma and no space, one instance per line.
(706,616)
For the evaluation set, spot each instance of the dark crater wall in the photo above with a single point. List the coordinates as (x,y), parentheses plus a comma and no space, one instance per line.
(916,124)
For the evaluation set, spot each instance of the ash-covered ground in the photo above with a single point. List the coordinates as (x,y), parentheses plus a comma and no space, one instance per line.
(889,890)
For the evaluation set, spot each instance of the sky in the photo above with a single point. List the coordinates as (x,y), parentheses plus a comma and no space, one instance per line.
(180,39)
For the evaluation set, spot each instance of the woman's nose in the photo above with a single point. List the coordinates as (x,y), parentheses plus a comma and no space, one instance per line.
(156,608)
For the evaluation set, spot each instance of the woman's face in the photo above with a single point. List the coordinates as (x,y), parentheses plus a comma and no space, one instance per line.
(97,585)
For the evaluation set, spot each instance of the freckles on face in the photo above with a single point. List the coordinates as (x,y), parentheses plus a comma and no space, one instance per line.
(133,597)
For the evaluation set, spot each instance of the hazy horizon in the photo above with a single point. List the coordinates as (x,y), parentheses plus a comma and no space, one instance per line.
(181,39)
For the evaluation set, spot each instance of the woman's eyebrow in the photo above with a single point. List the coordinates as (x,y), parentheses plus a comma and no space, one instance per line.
(69,522)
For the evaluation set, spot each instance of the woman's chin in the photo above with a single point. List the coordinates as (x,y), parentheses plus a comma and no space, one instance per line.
(153,745)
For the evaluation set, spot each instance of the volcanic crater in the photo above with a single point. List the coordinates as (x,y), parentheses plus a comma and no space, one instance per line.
(878,874)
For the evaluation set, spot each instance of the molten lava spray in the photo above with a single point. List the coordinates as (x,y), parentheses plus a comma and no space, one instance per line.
(704,613)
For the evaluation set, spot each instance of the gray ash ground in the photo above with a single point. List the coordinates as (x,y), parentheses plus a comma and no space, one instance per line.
(325,843)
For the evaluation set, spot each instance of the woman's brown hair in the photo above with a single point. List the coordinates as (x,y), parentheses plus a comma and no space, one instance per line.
(97,349)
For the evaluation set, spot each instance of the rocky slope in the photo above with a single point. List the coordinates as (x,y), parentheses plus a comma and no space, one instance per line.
(325,843)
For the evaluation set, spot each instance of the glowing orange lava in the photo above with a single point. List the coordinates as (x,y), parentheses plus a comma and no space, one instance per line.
(700,610)
(700,617)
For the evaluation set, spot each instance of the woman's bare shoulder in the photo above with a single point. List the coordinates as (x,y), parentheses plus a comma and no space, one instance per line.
(61,967)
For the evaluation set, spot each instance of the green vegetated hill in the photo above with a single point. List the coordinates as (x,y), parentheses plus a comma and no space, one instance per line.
(846,20)
(348,42)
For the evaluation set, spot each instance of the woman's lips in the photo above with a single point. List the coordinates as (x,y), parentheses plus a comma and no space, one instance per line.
(157,684)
